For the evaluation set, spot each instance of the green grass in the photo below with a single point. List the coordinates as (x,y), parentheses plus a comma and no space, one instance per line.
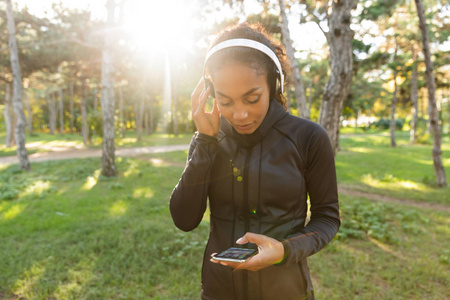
(66,232)
(368,163)
(44,142)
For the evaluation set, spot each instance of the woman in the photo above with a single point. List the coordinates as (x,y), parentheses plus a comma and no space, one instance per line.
(256,164)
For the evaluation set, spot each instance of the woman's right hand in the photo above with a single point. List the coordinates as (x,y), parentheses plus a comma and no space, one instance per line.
(206,123)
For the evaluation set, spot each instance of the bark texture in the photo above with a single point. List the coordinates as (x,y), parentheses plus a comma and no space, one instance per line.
(339,37)
(434,121)
(299,89)
(22,154)
(107,100)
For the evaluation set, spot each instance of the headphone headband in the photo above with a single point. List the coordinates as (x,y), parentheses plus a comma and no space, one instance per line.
(250,44)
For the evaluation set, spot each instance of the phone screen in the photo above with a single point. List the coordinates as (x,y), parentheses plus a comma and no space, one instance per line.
(235,254)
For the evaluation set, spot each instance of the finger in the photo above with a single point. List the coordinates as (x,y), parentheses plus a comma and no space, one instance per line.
(250,237)
(215,110)
(196,93)
(202,100)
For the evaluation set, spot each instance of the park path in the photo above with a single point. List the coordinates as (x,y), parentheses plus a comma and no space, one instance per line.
(69,153)
(64,153)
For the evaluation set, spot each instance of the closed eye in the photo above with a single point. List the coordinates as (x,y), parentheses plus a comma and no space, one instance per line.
(253,99)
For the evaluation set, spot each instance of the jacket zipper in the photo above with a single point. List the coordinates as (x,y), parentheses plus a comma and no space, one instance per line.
(246,213)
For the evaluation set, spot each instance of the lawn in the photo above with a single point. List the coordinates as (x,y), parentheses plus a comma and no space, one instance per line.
(66,232)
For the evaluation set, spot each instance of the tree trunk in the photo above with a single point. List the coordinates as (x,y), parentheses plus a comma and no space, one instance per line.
(339,37)
(414,96)
(393,107)
(107,100)
(9,118)
(71,107)
(61,112)
(30,116)
(121,121)
(437,153)
(51,112)
(299,89)
(84,124)
(140,112)
(151,116)
(22,154)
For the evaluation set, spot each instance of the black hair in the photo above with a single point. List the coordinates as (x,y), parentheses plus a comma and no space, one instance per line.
(255,58)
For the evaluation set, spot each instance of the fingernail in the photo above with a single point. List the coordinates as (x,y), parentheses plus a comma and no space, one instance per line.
(239,241)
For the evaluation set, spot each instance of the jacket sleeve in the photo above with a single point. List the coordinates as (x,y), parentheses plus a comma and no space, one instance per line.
(320,177)
(188,199)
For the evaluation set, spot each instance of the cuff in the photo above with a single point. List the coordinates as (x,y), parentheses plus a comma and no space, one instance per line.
(287,252)
(202,138)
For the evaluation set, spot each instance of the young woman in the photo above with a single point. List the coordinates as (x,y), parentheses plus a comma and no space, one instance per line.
(257,165)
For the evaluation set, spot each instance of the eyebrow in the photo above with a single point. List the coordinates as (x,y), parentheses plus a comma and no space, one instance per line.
(246,94)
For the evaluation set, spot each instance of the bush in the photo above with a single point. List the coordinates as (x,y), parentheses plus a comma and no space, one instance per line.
(386,123)
(8,193)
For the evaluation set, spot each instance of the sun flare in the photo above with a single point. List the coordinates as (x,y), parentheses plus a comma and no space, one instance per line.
(161,26)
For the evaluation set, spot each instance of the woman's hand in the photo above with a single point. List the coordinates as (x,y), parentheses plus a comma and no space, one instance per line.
(270,251)
(207,123)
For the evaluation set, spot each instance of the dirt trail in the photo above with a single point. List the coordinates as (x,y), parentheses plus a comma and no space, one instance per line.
(68,153)
(64,153)
(383,198)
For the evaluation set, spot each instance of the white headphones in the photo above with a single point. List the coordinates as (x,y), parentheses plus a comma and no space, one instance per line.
(250,44)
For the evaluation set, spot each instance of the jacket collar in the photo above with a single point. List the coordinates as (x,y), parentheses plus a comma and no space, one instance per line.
(274,114)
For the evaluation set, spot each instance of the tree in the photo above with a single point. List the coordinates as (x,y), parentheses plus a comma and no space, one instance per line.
(414,98)
(339,38)
(107,100)
(297,81)
(22,154)
(9,118)
(394,97)
(434,122)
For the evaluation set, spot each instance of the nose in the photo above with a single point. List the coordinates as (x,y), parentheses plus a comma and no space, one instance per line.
(240,113)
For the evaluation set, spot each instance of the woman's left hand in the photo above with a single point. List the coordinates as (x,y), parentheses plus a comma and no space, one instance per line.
(270,251)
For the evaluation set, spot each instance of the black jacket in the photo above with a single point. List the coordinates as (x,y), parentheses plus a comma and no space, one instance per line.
(260,183)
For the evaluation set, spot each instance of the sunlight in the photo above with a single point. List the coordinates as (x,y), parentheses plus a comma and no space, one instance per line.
(29,279)
(386,248)
(118,208)
(37,187)
(13,212)
(91,181)
(157,26)
(77,276)
(144,192)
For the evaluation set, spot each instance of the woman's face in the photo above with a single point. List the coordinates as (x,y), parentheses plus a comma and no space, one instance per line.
(242,95)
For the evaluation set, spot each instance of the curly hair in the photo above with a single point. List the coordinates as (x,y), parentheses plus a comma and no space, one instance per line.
(254,58)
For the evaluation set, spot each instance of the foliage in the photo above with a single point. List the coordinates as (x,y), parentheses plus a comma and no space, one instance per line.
(385,123)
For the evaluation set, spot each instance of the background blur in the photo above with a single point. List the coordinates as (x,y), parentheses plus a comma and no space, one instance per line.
(114,77)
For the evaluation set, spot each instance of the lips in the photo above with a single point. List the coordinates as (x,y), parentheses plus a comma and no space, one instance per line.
(244,127)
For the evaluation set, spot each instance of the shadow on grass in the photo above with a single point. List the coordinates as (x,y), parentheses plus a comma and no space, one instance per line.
(111,240)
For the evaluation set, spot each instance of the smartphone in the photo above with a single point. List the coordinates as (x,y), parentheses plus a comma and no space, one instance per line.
(233,254)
